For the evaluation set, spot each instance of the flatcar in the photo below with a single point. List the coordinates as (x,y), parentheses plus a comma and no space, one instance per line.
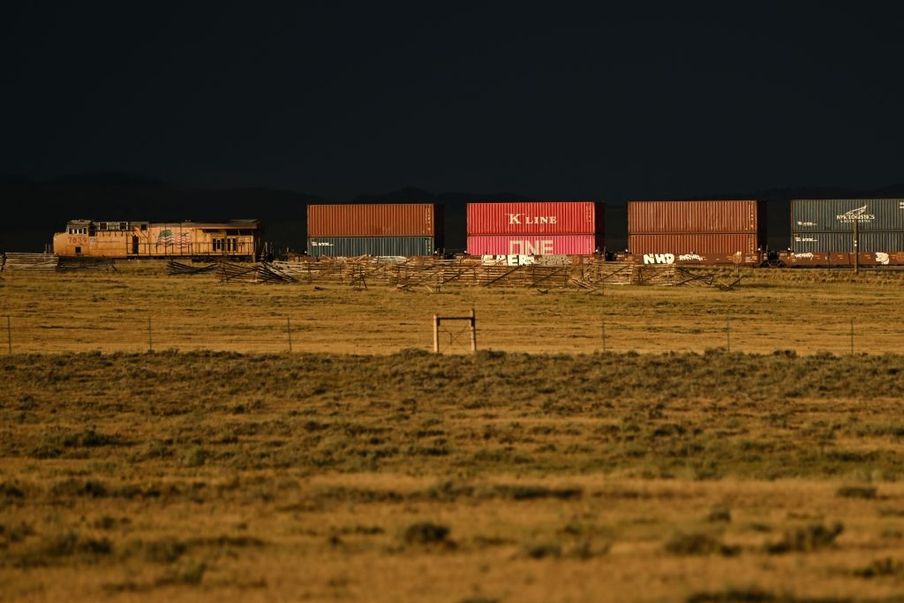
(236,239)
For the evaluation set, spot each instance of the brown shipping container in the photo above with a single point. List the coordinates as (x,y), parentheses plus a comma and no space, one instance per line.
(659,217)
(375,220)
(700,244)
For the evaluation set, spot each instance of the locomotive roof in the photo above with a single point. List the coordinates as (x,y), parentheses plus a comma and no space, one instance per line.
(238,223)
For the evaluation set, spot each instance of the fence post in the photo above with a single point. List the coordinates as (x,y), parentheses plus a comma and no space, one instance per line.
(289,332)
(473,331)
(852,337)
(728,334)
(604,335)
(9,336)
(150,337)
(436,334)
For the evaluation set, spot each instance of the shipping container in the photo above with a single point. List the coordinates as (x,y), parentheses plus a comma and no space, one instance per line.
(704,244)
(838,215)
(376,246)
(871,241)
(535,217)
(671,217)
(375,220)
(532,245)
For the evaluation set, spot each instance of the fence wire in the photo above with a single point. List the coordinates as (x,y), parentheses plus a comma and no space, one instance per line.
(109,334)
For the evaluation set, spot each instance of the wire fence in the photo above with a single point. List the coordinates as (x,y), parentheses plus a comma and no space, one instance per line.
(288,334)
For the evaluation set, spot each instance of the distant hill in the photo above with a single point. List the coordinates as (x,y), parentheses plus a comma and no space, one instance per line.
(37,209)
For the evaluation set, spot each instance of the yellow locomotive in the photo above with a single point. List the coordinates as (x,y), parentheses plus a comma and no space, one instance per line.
(238,239)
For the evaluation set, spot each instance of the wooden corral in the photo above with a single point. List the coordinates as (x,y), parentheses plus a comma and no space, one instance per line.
(12,261)
(122,240)
(433,274)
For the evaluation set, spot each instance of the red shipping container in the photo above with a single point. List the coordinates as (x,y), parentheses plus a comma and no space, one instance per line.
(534,217)
(700,244)
(374,220)
(653,217)
(531,245)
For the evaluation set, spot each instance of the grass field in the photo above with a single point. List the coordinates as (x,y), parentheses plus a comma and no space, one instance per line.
(808,312)
(406,476)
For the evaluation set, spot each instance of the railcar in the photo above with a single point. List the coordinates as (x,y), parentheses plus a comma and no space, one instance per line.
(841,259)
(825,233)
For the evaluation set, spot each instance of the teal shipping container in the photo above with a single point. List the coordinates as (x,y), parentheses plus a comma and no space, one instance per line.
(839,215)
(375,246)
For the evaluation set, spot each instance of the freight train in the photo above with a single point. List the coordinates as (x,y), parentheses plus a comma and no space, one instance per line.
(824,233)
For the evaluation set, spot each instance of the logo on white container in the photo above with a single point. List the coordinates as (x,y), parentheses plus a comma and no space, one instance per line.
(858,215)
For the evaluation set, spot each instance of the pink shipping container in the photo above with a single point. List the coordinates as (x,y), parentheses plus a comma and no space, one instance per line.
(375,220)
(649,217)
(701,244)
(535,217)
(531,245)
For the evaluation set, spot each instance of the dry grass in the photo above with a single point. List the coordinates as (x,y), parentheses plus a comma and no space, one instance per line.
(807,311)
(500,477)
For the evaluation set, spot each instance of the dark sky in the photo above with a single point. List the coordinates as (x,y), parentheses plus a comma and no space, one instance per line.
(337,98)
